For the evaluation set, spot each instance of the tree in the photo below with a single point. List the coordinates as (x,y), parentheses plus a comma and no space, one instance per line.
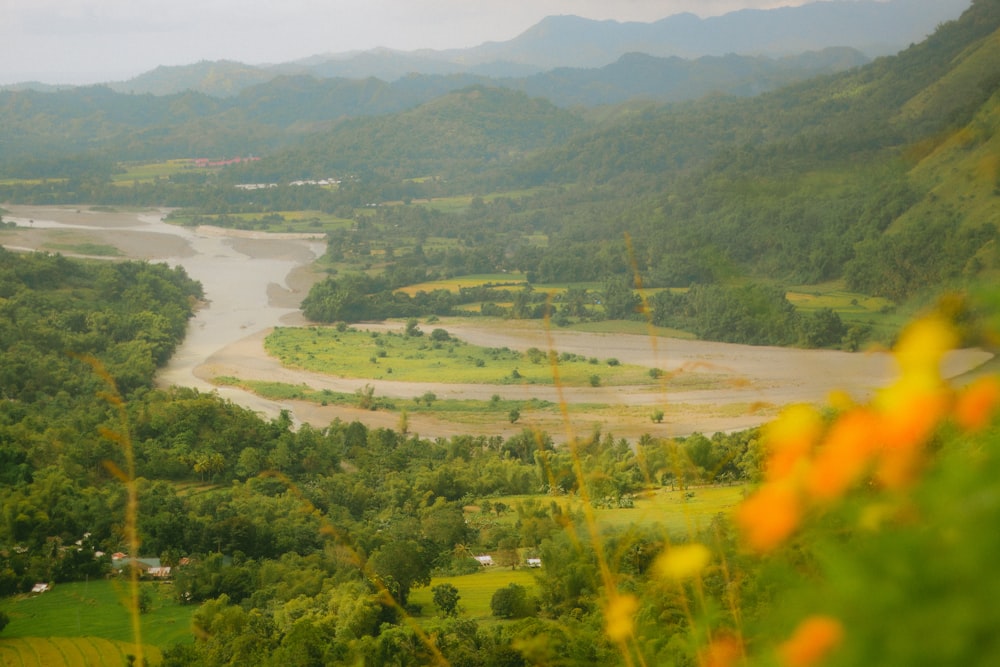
(412,329)
(618,299)
(402,564)
(446,599)
(512,601)
(823,328)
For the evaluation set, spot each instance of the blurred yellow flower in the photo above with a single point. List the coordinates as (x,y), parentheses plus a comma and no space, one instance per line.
(770,516)
(619,616)
(812,641)
(683,561)
(790,439)
(923,344)
(977,402)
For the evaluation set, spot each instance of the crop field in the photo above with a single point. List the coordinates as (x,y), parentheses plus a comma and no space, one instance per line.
(501,280)
(878,313)
(396,356)
(95,609)
(70,651)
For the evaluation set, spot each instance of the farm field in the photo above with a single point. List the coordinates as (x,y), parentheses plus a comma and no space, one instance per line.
(95,610)
(89,651)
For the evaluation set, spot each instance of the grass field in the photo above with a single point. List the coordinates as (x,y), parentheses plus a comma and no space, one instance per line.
(70,651)
(96,609)
(395,356)
(147,172)
(475,590)
(679,513)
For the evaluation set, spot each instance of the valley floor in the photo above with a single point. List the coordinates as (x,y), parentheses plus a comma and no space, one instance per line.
(254,282)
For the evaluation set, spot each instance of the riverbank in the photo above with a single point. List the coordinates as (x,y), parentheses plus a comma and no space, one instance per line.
(254,282)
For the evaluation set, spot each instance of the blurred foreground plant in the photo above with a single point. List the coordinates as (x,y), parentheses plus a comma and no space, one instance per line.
(871,540)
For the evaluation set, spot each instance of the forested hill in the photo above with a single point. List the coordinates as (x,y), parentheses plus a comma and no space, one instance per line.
(805,184)
(786,184)
(881,175)
(99,122)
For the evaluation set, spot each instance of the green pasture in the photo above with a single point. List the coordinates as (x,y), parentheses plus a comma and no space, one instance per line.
(147,172)
(97,609)
(678,512)
(70,652)
(475,590)
(459,203)
(396,356)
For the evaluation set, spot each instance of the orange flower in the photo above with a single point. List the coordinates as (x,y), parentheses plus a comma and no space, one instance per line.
(724,651)
(812,640)
(976,403)
(910,410)
(845,455)
(770,516)
(790,439)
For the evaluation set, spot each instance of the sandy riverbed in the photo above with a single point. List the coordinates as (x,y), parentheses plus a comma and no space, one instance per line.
(254,282)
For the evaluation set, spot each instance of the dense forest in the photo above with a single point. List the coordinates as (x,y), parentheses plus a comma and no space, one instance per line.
(864,532)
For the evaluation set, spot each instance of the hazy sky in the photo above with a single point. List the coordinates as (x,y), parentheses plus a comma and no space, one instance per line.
(86,41)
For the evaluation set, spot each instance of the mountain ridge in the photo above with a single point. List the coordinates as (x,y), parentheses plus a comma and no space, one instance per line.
(872,27)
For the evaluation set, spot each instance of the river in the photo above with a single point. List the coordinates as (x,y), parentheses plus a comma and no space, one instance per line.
(253,282)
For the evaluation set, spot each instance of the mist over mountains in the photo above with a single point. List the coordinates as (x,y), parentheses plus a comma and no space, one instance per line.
(765,38)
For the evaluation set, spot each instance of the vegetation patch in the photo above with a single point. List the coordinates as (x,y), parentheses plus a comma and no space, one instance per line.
(456,284)
(93,249)
(412,356)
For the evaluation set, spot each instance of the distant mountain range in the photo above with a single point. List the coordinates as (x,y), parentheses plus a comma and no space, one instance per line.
(872,27)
